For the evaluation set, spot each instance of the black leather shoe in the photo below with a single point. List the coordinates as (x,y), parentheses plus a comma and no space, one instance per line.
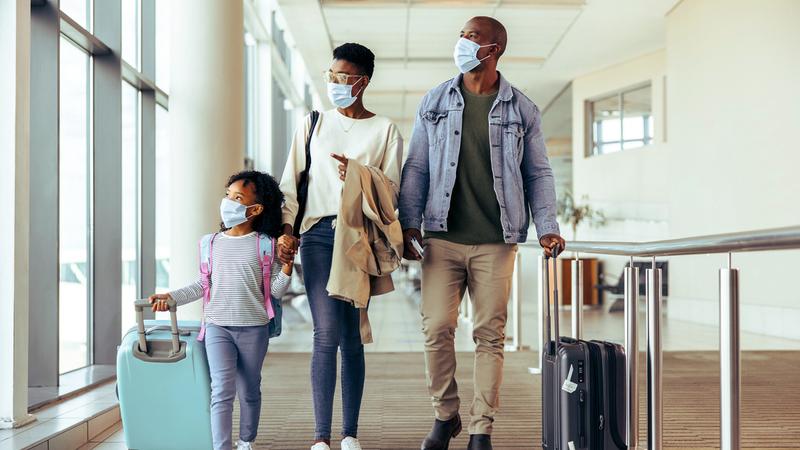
(480,442)
(441,433)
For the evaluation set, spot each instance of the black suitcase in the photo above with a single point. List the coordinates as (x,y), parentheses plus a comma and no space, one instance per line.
(583,387)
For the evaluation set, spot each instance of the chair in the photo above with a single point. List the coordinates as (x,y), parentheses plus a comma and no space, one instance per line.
(618,289)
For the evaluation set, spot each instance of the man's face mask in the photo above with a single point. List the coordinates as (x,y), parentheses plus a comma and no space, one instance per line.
(465,54)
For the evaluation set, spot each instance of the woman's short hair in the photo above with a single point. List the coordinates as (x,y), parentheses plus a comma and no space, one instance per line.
(357,55)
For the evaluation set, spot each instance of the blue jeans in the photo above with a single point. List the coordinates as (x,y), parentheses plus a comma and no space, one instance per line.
(336,326)
(235,357)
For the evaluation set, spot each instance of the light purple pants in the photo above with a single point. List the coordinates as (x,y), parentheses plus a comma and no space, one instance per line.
(235,356)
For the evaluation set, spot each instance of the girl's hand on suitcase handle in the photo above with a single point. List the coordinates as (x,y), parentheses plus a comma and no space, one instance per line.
(159,302)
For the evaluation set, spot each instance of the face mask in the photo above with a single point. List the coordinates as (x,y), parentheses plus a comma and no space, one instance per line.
(341,94)
(233,213)
(465,54)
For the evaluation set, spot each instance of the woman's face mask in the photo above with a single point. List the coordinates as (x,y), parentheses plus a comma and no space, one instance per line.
(233,213)
(341,94)
(465,54)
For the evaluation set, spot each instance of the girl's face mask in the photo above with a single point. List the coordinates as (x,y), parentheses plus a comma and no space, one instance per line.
(233,213)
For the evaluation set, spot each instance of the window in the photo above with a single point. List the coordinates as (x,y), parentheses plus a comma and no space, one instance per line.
(103,148)
(78,10)
(130,32)
(130,203)
(163,39)
(74,210)
(621,121)
(162,199)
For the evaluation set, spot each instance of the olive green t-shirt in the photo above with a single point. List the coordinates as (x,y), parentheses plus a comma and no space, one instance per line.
(474,216)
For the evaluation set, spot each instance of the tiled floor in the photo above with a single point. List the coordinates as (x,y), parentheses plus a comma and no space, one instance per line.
(110,439)
(68,415)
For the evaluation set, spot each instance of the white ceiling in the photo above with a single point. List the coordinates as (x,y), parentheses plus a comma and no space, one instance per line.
(550,41)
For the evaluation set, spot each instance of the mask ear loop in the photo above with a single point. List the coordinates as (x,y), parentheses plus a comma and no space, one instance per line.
(245,208)
(487,56)
(359,91)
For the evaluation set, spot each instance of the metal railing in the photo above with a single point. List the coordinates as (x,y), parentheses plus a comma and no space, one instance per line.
(730,369)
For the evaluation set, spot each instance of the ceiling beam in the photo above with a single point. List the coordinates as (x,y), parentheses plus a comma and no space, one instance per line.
(453,3)
(309,29)
(534,60)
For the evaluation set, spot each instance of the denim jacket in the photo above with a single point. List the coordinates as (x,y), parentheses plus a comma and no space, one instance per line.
(523,179)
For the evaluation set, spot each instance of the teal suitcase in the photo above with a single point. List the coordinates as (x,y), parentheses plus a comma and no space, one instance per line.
(163,385)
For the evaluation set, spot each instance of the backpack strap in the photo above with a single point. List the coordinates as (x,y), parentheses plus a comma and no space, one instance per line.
(266,255)
(206,250)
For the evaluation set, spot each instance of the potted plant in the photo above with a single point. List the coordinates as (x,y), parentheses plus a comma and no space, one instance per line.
(575,214)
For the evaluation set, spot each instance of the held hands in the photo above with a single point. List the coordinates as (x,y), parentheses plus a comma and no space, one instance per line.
(549,241)
(409,252)
(287,248)
(159,302)
(342,165)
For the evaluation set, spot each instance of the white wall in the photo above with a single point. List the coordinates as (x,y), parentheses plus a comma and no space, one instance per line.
(733,112)
(730,161)
(628,186)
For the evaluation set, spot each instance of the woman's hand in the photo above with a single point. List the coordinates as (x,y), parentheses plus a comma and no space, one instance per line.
(287,248)
(342,165)
(159,302)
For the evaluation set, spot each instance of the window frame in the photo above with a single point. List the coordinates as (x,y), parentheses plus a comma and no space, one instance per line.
(591,149)
(108,71)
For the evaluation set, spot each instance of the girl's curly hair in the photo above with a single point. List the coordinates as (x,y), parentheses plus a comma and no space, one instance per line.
(268,195)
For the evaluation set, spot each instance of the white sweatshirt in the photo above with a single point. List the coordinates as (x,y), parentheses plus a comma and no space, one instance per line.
(372,142)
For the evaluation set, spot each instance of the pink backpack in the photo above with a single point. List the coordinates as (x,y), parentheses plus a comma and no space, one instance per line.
(266,255)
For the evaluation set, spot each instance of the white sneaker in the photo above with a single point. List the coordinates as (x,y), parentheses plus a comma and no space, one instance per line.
(320,446)
(350,443)
(242,445)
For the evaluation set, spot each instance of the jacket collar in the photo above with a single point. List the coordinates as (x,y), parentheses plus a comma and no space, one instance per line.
(504,93)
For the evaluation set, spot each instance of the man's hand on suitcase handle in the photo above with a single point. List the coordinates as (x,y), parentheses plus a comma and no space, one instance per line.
(549,243)
(159,302)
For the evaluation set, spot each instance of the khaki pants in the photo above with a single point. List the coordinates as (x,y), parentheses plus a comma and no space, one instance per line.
(448,270)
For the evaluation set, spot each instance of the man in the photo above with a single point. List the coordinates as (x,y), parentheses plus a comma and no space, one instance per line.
(476,165)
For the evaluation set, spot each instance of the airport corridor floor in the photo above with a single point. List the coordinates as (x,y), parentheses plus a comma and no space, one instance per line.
(396,412)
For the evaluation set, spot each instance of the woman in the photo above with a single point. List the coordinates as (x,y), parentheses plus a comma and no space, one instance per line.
(347,132)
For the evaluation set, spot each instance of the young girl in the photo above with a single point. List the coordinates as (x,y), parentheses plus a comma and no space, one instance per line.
(236,319)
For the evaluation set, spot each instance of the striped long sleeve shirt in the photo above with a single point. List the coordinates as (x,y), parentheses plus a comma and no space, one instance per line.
(237,297)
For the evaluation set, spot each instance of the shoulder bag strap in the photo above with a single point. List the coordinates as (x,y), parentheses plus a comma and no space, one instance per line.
(302,183)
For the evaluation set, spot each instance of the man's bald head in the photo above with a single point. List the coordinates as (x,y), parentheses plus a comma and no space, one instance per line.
(491,29)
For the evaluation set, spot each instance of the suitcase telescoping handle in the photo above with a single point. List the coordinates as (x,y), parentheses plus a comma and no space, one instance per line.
(548,319)
(553,349)
(173,318)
